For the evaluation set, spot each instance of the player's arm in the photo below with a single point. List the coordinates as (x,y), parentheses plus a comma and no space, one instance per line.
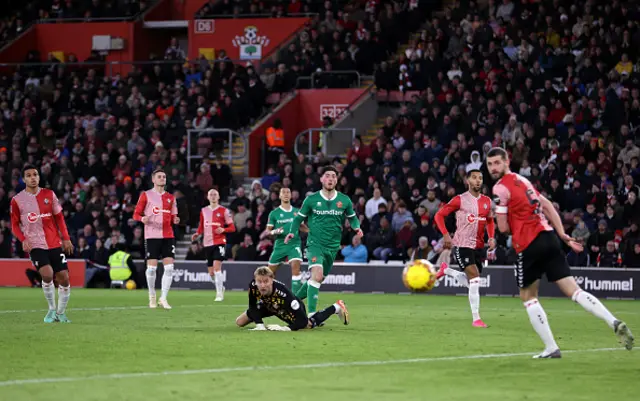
(174,212)
(351,215)
(452,206)
(491,231)
(138,213)
(552,215)
(304,211)
(501,199)
(294,307)
(271,223)
(304,228)
(16,230)
(228,221)
(58,217)
(253,312)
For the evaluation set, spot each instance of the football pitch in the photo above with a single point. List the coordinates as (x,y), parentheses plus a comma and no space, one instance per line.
(396,348)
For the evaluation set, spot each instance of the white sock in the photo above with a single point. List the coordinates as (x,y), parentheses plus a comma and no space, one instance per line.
(219,283)
(213,278)
(474,297)
(167,279)
(593,305)
(538,319)
(63,298)
(49,294)
(151,279)
(461,277)
(338,308)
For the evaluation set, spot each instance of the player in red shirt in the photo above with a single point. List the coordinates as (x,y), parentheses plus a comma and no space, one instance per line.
(473,215)
(38,223)
(157,210)
(522,211)
(215,223)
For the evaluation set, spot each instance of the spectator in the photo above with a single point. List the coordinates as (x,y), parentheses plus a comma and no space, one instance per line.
(400,217)
(247,250)
(421,251)
(356,252)
(608,256)
(381,241)
(372,206)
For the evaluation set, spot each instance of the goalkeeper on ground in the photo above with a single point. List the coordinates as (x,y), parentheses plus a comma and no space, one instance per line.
(269,297)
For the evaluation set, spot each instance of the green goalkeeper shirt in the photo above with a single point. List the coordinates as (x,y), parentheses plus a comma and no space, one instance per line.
(325,219)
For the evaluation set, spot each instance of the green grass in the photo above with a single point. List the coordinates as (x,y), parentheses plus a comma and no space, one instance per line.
(198,334)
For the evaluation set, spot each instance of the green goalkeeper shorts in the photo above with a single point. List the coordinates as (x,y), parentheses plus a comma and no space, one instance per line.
(319,256)
(287,253)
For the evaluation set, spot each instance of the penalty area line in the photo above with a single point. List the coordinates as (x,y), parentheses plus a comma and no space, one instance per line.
(282,367)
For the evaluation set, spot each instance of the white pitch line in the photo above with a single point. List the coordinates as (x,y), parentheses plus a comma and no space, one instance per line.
(281,367)
(108,308)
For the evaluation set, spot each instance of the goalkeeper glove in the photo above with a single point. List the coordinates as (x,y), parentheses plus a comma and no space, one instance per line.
(275,327)
(259,327)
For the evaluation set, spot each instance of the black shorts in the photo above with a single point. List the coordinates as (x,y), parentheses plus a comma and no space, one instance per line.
(300,323)
(215,252)
(466,257)
(160,248)
(53,257)
(543,256)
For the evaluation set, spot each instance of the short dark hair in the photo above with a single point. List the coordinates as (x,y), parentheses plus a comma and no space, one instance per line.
(473,170)
(329,168)
(157,170)
(498,151)
(28,167)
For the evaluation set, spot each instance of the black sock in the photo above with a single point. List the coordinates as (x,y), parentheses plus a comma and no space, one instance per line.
(323,315)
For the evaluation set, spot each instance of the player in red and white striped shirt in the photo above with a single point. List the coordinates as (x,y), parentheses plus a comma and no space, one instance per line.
(157,210)
(38,223)
(473,215)
(215,223)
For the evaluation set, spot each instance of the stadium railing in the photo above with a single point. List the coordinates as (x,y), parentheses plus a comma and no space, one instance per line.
(331,141)
(215,133)
(339,74)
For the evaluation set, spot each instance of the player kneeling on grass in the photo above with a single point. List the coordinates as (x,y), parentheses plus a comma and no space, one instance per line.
(269,297)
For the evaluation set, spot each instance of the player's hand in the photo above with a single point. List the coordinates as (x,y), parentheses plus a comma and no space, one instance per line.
(26,246)
(219,230)
(276,327)
(67,247)
(194,237)
(359,233)
(573,244)
(448,243)
(259,327)
(492,244)
(277,231)
(288,238)
(145,219)
(176,220)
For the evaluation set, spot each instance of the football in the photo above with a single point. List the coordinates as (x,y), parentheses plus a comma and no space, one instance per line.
(130,285)
(419,276)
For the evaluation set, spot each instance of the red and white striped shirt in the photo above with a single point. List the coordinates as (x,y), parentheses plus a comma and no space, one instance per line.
(210,219)
(38,218)
(160,208)
(472,216)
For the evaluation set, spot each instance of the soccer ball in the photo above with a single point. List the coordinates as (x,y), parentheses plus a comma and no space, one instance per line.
(130,285)
(419,276)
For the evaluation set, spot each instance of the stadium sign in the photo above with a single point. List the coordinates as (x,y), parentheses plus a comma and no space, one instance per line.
(204,26)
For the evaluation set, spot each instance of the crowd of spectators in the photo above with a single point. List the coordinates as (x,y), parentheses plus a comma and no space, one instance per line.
(18,15)
(556,83)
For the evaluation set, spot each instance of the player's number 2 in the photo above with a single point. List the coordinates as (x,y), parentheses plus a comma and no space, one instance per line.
(173,249)
(63,258)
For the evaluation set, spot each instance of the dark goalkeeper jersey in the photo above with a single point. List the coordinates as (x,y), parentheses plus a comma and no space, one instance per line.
(281,303)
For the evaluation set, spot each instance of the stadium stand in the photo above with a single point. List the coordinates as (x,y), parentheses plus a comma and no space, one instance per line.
(556,83)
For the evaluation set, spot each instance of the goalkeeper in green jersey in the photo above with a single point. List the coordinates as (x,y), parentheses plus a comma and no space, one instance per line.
(325,212)
(279,224)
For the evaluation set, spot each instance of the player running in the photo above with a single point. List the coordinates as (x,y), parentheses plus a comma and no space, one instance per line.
(280,220)
(215,223)
(157,210)
(325,212)
(473,214)
(269,297)
(522,210)
(38,223)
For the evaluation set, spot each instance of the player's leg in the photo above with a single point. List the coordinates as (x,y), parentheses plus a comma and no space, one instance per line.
(40,259)
(153,254)
(243,320)
(318,273)
(339,308)
(168,253)
(295,261)
(528,274)
(458,275)
(473,277)
(589,302)
(61,271)
(217,272)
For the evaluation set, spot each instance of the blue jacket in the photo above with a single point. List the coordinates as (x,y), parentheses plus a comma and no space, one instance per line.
(355,255)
